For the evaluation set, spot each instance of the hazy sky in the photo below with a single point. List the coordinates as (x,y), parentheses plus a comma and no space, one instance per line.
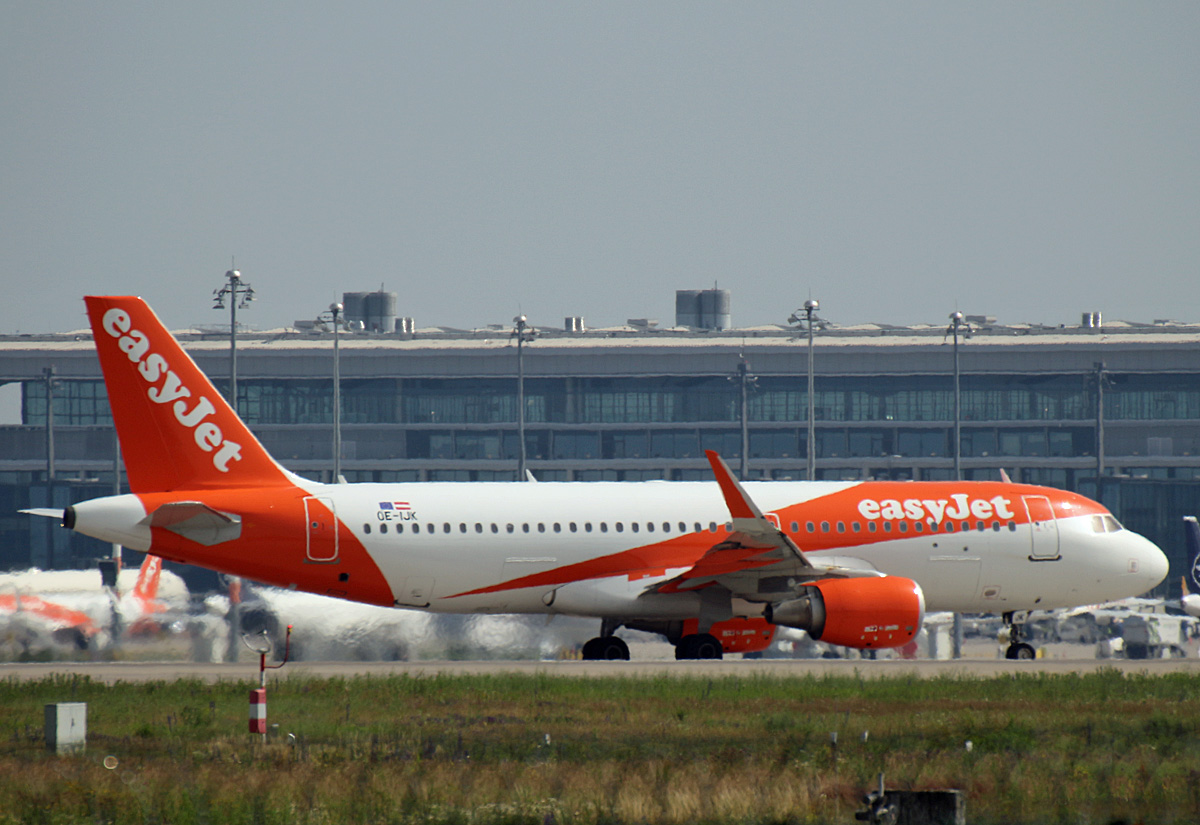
(895,160)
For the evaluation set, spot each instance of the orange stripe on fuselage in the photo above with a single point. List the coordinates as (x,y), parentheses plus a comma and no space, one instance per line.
(877,502)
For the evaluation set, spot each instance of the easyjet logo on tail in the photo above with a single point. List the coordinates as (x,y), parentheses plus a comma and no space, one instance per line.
(166,388)
(958,507)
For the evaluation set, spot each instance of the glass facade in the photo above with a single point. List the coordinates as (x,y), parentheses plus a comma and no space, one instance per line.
(670,399)
(75,403)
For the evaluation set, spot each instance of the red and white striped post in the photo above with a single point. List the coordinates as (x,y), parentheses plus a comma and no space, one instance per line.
(258,696)
(258,711)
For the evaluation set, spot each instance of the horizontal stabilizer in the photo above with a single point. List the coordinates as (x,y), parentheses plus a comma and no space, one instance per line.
(196,521)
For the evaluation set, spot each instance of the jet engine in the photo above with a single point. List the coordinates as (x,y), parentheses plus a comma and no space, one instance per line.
(871,612)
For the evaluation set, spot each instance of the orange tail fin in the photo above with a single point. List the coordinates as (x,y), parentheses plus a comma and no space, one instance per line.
(146,588)
(176,430)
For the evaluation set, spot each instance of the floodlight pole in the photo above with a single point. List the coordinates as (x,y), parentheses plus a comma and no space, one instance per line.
(811,306)
(336,310)
(51,383)
(240,294)
(522,333)
(1100,379)
(744,379)
(956,320)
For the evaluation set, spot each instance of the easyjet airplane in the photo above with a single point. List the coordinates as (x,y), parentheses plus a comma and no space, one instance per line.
(714,567)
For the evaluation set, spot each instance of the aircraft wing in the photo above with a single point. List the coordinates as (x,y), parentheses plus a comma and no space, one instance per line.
(757,560)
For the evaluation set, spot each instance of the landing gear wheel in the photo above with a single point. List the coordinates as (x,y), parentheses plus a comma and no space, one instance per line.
(699,646)
(1020,651)
(605,649)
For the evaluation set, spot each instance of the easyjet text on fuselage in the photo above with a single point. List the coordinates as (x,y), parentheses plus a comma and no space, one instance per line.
(958,507)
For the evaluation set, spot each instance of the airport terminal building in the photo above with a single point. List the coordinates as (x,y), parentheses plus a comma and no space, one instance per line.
(1060,406)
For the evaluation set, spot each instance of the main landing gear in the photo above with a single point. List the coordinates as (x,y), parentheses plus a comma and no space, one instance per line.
(605,649)
(699,646)
(1016,648)
(608,648)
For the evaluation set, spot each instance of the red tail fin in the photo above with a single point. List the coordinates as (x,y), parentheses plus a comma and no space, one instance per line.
(176,430)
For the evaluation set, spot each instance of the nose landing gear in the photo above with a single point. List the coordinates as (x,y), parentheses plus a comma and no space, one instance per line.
(1016,649)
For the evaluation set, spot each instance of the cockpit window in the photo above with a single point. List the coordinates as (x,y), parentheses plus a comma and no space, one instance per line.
(1105,524)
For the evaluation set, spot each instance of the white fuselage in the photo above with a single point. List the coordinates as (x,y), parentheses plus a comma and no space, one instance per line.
(488,533)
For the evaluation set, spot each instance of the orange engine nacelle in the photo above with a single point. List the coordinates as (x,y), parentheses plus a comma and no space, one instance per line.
(864,613)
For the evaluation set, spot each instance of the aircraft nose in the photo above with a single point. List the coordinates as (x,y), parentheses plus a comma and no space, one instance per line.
(1148,562)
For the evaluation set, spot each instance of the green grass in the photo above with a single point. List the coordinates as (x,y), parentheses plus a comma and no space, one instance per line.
(667,749)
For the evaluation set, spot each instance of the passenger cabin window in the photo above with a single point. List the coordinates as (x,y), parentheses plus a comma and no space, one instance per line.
(383,528)
(367,529)
(557,527)
(446,527)
(573,527)
(508,528)
(428,528)
(812,528)
(795,527)
(824,527)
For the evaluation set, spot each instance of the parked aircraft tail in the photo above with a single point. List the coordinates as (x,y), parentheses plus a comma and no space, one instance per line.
(1190,580)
